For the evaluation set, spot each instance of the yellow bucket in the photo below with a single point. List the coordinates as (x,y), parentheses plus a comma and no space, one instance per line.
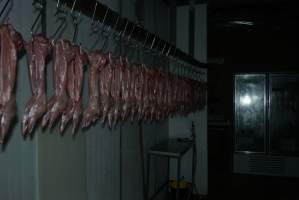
(182,185)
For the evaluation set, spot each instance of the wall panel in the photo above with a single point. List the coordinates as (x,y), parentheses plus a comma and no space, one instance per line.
(61,159)
(181,126)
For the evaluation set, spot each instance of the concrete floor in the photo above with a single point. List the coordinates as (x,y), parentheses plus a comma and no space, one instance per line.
(245,187)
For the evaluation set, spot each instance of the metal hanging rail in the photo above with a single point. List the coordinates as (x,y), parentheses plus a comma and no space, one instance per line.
(136,32)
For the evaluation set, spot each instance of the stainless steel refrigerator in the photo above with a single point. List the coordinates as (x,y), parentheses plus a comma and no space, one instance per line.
(266,134)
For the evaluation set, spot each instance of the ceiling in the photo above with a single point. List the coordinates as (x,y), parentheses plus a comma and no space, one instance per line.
(240,3)
(257,31)
(184,2)
(251,31)
(230,3)
(258,11)
(271,15)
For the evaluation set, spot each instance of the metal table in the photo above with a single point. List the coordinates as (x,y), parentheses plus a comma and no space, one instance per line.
(172,148)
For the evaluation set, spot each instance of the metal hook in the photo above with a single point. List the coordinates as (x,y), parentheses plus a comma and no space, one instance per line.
(155,51)
(76,23)
(146,37)
(162,52)
(174,55)
(168,52)
(4,7)
(92,19)
(128,42)
(73,6)
(93,25)
(133,29)
(153,42)
(105,44)
(114,27)
(120,34)
(94,12)
(151,50)
(104,20)
(125,29)
(57,5)
(60,28)
(63,20)
(132,44)
(102,33)
(57,8)
(157,47)
(113,33)
(142,45)
(41,7)
(105,16)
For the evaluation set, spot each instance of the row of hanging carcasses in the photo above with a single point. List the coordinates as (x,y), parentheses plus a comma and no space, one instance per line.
(118,90)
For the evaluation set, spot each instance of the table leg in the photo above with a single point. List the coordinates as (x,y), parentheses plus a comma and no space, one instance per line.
(148,175)
(193,168)
(168,177)
(178,179)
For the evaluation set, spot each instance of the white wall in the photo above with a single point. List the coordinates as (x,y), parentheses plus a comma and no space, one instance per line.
(201,123)
(61,160)
(181,126)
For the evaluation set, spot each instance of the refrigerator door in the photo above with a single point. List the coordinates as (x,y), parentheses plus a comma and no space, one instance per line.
(250,113)
(284,114)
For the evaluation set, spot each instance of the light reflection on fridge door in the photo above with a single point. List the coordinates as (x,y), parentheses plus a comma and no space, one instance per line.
(250,124)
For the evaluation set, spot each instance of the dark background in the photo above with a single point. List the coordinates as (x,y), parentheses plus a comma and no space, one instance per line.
(269,44)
